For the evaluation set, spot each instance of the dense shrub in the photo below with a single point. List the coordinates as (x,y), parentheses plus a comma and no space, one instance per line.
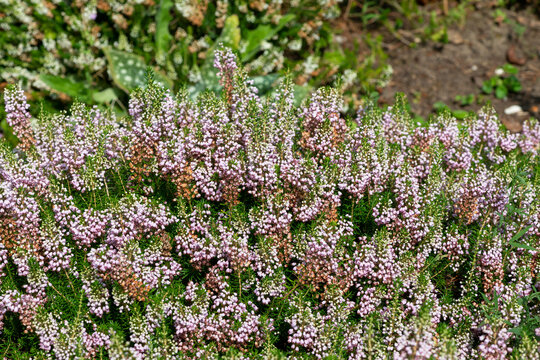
(254,228)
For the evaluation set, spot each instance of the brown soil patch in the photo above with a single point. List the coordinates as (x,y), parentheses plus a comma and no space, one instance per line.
(433,72)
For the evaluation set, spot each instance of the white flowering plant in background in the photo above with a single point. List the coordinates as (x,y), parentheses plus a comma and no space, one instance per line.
(97,51)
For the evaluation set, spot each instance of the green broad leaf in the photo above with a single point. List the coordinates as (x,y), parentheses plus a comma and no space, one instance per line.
(510,69)
(65,86)
(105,96)
(128,71)
(460,114)
(209,81)
(464,100)
(162,36)
(300,93)
(501,92)
(334,57)
(265,83)
(439,106)
(7,131)
(512,83)
(254,38)
(230,36)
(517,331)
(487,87)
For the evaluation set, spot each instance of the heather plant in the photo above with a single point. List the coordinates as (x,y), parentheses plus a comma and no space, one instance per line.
(236,226)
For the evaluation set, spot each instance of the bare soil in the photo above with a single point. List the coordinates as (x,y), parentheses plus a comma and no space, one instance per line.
(431,72)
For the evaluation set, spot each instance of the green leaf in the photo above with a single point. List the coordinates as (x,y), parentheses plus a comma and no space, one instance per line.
(163,37)
(265,83)
(440,36)
(521,212)
(7,131)
(464,100)
(520,233)
(105,96)
(518,236)
(523,246)
(439,106)
(512,83)
(300,93)
(230,36)
(517,331)
(129,70)
(256,37)
(460,114)
(510,69)
(334,57)
(501,92)
(65,86)
(210,82)
(487,87)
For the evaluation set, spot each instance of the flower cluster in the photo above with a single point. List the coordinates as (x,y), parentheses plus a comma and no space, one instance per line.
(243,226)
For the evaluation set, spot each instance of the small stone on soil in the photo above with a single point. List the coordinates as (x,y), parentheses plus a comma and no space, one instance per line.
(514,109)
